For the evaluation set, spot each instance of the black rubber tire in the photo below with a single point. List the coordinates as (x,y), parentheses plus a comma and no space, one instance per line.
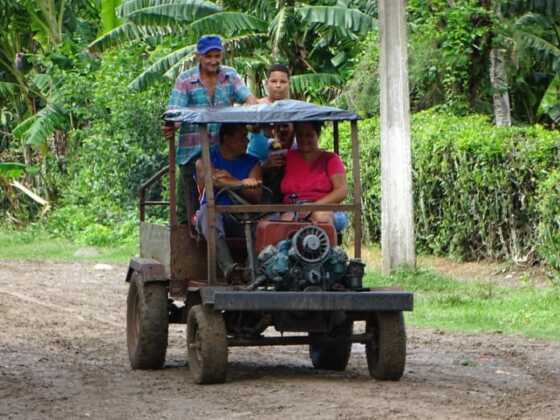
(147,324)
(207,345)
(386,352)
(331,355)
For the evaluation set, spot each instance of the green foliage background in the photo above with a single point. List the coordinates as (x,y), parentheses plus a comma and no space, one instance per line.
(111,156)
(85,140)
(479,191)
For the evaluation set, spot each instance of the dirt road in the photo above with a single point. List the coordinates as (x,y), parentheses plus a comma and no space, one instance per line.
(63,356)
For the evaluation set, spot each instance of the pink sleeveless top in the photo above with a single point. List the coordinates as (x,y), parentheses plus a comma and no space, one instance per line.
(310,181)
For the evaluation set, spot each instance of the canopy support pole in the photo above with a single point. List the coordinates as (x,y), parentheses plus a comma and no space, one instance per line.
(211,206)
(397,218)
(357,193)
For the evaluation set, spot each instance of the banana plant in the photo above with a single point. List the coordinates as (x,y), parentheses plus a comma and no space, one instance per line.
(534,35)
(305,35)
(108,15)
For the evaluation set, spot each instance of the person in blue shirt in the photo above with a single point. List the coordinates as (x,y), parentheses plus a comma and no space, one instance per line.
(231,167)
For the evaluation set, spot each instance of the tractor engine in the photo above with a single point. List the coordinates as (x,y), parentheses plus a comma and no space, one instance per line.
(308,262)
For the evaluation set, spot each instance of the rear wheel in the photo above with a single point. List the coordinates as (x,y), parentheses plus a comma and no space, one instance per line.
(207,345)
(331,351)
(147,323)
(386,351)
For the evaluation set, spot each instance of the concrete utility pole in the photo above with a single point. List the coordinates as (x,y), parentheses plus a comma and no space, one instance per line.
(397,217)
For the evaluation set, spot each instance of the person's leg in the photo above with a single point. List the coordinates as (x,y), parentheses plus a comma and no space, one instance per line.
(322,216)
(288,216)
(223,255)
(182,217)
(187,201)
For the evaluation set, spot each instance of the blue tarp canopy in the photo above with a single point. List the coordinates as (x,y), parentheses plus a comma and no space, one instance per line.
(287,110)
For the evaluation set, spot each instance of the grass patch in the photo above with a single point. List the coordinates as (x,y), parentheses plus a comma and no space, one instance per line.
(448,304)
(440,301)
(37,245)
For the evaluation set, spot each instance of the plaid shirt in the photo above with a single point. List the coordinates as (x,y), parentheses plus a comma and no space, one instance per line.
(190,92)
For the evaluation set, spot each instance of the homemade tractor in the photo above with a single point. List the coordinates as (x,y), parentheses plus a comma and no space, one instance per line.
(301,280)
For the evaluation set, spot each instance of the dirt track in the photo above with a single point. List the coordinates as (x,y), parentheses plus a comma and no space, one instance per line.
(63,355)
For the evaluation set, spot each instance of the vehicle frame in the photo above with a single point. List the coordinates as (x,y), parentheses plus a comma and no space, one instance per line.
(174,280)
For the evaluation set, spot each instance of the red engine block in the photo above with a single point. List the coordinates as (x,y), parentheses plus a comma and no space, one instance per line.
(271,232)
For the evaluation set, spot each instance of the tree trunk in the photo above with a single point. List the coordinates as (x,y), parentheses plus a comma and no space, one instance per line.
(498,75)
(498,78)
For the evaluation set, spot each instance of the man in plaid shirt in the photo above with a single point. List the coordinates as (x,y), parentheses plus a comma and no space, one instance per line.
(209,84)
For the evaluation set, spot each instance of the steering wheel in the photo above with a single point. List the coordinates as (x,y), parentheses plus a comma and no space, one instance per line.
(233,194)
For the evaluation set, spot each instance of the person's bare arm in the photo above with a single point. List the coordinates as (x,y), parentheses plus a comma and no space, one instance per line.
(251,100)
(252,184)
(222,178)
(339,191)
(199,165)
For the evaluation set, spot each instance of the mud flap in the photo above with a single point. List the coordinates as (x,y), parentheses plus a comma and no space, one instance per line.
(149,270)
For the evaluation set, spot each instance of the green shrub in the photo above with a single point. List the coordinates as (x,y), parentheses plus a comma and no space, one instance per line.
(475,185)
(549,220)
(119,147)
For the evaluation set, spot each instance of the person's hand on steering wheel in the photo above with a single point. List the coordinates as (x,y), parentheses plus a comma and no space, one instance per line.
(250,183)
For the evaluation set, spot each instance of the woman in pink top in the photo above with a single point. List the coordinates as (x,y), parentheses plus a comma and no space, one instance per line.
(313,174)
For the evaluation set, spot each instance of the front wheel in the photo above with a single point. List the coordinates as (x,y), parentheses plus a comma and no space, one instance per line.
(207,345)
(386,351)
(147,324)
(331,351)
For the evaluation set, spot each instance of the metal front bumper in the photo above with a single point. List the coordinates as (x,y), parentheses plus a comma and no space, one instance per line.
(230,300)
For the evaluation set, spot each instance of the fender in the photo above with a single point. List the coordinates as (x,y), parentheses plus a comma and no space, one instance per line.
(151,271)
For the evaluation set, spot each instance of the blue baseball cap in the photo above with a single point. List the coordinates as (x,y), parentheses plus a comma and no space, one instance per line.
(208,43)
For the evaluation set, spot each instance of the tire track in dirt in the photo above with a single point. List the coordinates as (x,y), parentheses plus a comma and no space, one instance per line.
(63,354)
(58,308)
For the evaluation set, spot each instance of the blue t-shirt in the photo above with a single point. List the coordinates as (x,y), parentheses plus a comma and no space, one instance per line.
(258,146)
(240,168)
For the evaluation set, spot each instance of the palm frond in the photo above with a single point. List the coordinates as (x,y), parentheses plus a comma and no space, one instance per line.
(129,7)
(227,24)
(179,12)
(277,31)
(8,88)
(43,82)
(532,19)
(179,67)
(11,169)
(550,102)
(22,127)
(303,83)
(108,16)
(341,17)
(127,32)
(511,8)
(539,45)
(36,129)
(157,69)
(245,45)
